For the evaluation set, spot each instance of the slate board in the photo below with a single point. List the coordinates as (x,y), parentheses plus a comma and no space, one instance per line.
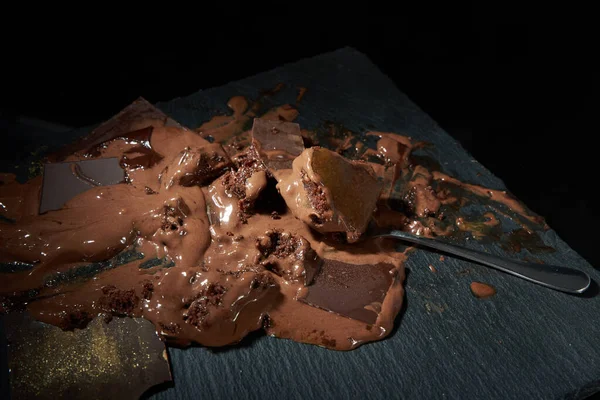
(526,342)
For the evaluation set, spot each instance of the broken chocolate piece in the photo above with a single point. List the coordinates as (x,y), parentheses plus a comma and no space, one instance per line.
(277,143)
(121,359)
(353,291)
(139,114)
(63,181)
(331,193)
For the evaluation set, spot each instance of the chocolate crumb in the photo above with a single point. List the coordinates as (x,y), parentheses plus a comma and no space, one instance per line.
(262,281)
(171,328)
(117,301)
(198,312)
(77,319)
(229,233)
(147,290)
(316,196)
(275,215)
(267,322)
(149,190)
(278,244)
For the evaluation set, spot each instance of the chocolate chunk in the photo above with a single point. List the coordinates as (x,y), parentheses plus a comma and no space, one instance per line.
(353,291)
(63,181)
(121,359)
(330,193)
(277,143)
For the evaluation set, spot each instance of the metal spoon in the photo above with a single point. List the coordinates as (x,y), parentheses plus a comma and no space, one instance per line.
(564,279)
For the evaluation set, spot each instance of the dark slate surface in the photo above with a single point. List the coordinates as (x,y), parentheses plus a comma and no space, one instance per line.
(526,342)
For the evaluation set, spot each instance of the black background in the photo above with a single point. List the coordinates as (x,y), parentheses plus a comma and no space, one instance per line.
(518,97)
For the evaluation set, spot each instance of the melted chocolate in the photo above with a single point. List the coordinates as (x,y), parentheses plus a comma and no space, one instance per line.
(482,290)
(196,240)
(153,250)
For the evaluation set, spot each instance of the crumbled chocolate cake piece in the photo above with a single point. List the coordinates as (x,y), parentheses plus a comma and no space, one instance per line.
(267,322)
(316,196)
(147,290)
(172,328)
(174,215)
(198,312)
(215,293)
(277,244)
(262,281)
(117,301)
(287,255)
(241,183)
(76,319)
(235,180)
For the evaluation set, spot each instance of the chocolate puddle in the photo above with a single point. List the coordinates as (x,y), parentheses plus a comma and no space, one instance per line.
(197,241)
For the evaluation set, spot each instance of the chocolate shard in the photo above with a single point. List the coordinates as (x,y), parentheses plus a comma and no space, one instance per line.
(277,143)
(120,359)
(139,114)
(353,291)
(63,181)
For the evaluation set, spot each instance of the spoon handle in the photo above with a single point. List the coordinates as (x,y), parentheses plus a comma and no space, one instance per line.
(564,279)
